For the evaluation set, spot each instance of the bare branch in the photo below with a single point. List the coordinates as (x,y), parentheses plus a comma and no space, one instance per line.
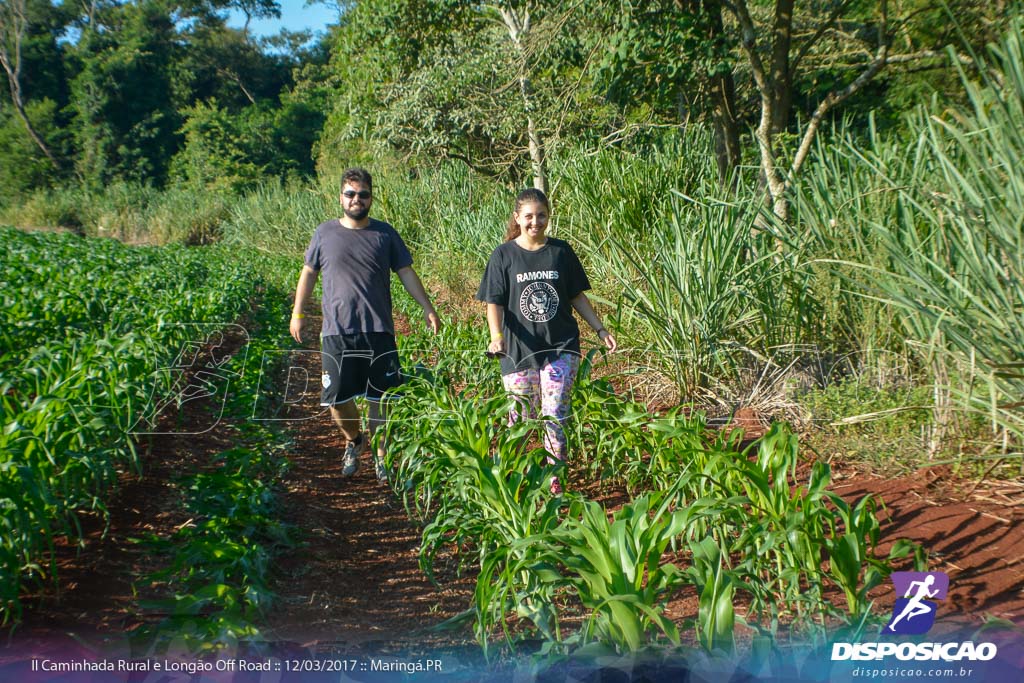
(922,55)
(838,96)
(232,75)
(749,42)
(812,41)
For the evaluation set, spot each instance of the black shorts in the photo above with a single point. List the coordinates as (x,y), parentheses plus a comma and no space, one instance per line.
(360,364)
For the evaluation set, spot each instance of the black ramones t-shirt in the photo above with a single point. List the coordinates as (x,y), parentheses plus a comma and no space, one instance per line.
(535,288)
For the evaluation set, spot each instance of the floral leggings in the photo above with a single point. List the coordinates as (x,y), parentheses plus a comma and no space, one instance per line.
(548,388)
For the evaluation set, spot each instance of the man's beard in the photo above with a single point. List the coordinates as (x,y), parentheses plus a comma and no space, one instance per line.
(358,215)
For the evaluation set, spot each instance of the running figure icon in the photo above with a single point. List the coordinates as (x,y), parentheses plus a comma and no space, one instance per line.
(916,605)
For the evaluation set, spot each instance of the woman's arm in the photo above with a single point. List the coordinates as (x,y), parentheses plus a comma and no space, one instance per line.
(582,305)
(495,322)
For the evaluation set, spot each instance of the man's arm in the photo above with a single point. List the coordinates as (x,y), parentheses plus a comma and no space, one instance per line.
(307,280)
(411,282)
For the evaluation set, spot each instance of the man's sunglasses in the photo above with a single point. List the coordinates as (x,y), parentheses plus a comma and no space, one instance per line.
(349,194)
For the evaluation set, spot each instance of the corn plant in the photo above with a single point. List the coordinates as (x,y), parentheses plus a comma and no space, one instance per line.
(742,526)
(853,535)
(220,564)
(615,567)
(716,586)
(480,489)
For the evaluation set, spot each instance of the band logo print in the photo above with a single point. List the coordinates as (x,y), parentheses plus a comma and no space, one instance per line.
(539,302)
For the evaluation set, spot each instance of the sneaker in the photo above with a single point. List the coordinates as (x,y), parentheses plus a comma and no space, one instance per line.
(556,487)
(353,450)
(380,468)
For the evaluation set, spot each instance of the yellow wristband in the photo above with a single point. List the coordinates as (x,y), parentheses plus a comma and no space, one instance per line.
(297,316)
(497,337)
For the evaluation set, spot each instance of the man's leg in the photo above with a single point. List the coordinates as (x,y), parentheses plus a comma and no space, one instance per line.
(376,416)
(346,417)
(385,373)
(345,362)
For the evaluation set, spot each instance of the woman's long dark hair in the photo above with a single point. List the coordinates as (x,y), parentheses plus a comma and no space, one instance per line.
(530,195)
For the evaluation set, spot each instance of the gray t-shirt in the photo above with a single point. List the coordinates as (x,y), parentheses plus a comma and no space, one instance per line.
(355,268)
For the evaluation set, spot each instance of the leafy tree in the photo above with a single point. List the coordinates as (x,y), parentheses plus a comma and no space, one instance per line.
(294,130)
(124,114)
(232,152)
(376,44)
(256,9)
(23,167)
(227,65)
(216,154)
(672,58)
(851,41)
(494,85)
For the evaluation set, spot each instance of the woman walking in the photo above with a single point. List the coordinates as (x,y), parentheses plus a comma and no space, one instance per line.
(531,286)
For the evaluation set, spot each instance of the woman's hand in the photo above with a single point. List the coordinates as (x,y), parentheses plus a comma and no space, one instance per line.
(496,347)
(609,340)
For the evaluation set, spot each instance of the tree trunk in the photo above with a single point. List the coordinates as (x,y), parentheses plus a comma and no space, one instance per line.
(727,130)
(13,25)
(540,178)
(723,106)
(518,27)
(781,76)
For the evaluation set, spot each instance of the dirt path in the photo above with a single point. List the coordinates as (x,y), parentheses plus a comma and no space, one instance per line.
(355,585)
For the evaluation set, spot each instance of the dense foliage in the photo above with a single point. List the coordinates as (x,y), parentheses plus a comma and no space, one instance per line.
(157,92)
(150,92)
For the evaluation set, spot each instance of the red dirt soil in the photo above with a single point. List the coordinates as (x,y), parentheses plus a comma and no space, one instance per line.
(354,584)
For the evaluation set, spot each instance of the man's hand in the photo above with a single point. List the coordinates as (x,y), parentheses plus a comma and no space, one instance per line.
(296,328)
(411,282)
(433,322)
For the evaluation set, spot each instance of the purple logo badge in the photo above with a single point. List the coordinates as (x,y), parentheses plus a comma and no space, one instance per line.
(914,612)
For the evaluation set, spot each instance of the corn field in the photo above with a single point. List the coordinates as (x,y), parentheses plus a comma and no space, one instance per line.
(86,326)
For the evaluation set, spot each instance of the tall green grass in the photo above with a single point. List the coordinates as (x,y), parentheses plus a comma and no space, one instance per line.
(711,293)
(610,197)
(934,230)
(132,213)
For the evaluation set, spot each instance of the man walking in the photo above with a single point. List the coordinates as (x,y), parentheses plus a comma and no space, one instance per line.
(356,255)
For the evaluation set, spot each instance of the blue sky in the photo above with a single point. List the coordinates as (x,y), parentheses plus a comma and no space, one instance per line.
(295,16)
